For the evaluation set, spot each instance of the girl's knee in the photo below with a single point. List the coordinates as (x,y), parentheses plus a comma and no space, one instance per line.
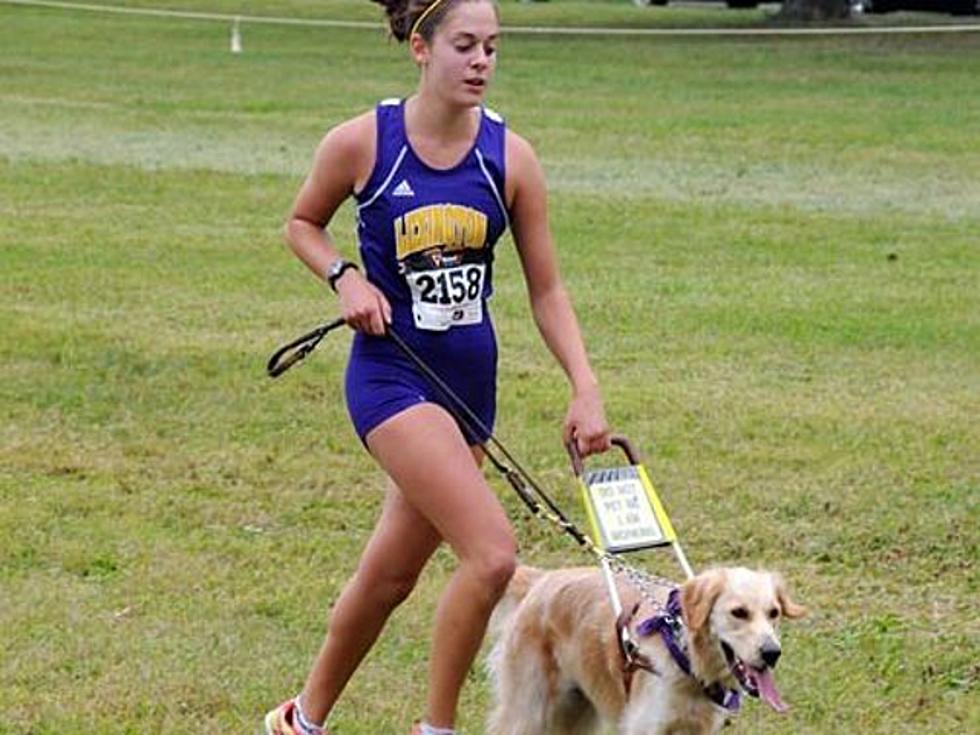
(495,568)
(502,571)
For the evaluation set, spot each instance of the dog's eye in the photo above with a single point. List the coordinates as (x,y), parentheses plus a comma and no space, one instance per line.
(741,613)
(774,613)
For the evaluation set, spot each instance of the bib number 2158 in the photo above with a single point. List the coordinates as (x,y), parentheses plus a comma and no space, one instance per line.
(445,297)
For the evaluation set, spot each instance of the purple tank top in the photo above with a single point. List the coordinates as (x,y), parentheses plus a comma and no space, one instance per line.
(426,235)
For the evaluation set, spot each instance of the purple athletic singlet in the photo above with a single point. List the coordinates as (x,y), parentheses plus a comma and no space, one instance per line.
(426,240)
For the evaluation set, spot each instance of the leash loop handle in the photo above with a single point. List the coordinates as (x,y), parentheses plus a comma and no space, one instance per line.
(288,355)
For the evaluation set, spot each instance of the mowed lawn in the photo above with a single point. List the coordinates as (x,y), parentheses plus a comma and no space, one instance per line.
(774,248)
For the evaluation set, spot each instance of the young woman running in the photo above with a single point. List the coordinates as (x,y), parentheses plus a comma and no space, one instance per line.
(437,179)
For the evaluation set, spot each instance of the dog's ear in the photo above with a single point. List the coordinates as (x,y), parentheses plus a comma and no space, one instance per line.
(789,608)
(698,596)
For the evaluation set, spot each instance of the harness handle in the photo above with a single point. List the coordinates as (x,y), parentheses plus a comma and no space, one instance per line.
(617,440)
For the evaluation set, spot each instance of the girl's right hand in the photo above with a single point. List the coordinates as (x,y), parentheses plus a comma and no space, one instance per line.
(362,305)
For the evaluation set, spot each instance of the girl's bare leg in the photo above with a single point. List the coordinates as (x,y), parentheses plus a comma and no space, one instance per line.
(423,451)
(402,542)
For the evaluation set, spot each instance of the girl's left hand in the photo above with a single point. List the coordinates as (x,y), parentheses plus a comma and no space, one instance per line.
(586,423)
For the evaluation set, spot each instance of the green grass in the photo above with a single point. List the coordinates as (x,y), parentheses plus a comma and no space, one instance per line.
(773,247)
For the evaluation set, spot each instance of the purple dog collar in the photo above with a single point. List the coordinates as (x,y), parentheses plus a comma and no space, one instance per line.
(669,625)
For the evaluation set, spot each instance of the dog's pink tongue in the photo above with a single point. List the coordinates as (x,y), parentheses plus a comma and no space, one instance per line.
(766,685)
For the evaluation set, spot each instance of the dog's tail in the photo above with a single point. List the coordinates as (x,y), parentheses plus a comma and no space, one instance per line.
(522,581)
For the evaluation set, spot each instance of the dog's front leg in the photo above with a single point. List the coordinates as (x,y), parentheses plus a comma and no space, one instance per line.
(659,720)
(523,701)
(647,716)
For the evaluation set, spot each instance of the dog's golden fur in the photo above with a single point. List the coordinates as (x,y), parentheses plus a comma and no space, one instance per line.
(557,666)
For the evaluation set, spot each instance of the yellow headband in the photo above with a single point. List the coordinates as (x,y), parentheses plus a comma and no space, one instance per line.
(425,14)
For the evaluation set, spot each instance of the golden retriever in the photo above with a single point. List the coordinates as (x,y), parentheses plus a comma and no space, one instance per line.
(558,668)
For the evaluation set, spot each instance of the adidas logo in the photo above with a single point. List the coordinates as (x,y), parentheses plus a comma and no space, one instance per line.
(403,190)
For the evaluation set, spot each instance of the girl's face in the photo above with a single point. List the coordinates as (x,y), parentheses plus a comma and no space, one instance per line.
(459,62)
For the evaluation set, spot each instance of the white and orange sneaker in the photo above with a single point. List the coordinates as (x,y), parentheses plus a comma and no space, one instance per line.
(282,721)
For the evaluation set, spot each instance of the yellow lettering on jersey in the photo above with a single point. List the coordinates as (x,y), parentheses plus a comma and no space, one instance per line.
(452,226)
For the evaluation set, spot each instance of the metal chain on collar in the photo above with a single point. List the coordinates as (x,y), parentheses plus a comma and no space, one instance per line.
(641,580)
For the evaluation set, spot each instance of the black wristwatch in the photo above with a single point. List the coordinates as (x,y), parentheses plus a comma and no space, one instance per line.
(336,270)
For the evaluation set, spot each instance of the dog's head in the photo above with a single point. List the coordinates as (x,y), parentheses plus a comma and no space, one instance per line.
(732,617)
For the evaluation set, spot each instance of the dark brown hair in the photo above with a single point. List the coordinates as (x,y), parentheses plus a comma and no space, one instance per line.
(402,15)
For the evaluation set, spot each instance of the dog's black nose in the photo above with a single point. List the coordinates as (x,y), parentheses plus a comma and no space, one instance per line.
(770,653)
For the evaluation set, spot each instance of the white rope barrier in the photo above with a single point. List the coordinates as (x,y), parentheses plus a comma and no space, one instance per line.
(528,30)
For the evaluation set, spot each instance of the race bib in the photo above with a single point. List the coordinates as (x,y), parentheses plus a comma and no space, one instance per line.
(447,297)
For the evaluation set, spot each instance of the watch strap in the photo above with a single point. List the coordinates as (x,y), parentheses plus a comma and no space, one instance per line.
(338,269)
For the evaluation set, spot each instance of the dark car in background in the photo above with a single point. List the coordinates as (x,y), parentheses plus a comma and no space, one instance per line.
(955,7)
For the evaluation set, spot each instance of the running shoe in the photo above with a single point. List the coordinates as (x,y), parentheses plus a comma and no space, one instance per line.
(280,720)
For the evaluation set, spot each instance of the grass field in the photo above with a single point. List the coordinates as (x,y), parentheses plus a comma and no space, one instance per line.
(774,247)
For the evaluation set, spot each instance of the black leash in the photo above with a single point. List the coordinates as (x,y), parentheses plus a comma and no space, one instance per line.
(518,477)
